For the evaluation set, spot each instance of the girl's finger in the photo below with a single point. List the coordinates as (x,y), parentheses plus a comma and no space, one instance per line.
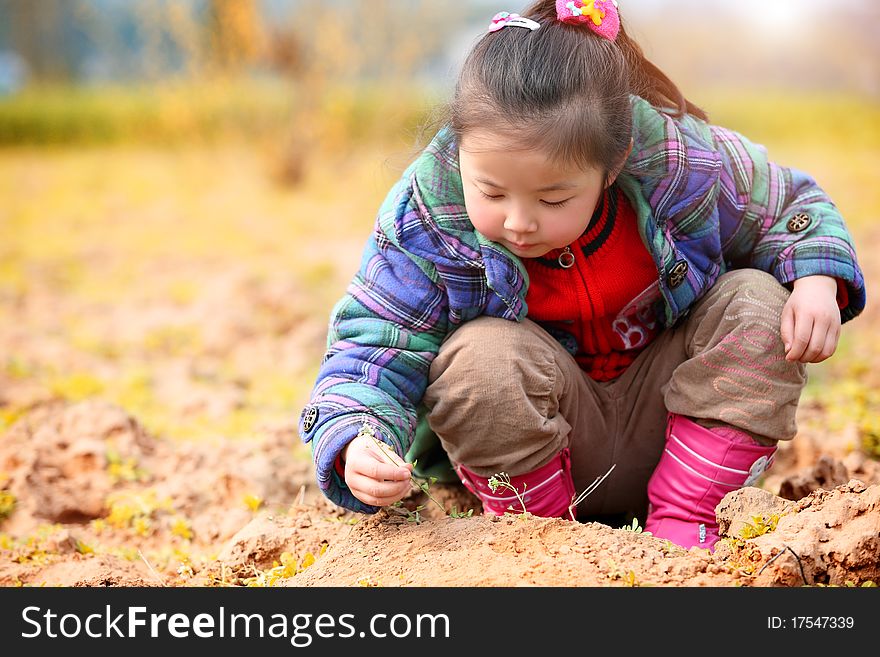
(813,352)
(800,340)
(377,493)
(786,327)
(374,462)
(830,344)
(818,334)
(378,470)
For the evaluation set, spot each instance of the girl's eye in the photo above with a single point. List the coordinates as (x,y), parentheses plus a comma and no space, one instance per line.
(558,204)
(488,196)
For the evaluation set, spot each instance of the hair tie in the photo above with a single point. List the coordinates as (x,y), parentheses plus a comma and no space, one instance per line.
(599,15)
(506,19)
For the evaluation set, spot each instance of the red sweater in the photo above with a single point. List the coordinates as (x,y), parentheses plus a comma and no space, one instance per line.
(588,307)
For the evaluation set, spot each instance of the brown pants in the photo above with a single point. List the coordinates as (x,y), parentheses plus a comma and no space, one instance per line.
(506,396)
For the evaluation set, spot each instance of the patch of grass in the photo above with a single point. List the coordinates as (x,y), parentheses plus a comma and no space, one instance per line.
(120,469)
(9,416)
(136,511)
(34,549)
(164,113)
(204,111)
(286,567)
(181,527)
(134,392)
(7,504)
(76,386)
(759,526)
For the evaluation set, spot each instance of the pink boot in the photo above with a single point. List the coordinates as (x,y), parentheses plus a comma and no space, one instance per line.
(699,467)
(547,491)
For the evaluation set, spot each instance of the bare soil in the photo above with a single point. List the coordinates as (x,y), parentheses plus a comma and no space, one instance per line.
(90,497)
(80,520)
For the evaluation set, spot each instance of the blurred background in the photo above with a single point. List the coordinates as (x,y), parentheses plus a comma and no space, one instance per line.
(186,185)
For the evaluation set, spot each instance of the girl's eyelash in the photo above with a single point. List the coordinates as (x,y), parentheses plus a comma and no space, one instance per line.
(558,204)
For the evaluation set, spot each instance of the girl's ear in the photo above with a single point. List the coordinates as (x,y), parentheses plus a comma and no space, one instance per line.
(612,175)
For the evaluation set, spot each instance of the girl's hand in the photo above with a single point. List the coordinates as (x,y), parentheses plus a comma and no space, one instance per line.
(811,320)
(374,477)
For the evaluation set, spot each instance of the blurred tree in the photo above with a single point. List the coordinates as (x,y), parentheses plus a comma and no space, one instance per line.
(38,34)
(236,35)
(285,53)
(352,65)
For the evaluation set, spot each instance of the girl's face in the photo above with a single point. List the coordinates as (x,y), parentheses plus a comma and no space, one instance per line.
(521,199)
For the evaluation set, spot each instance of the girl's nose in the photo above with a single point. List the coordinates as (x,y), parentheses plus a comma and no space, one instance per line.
(518,221)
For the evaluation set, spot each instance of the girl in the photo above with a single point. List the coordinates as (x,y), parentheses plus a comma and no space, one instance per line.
(581,275)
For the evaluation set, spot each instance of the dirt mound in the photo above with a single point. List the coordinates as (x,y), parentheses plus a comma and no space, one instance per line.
(834,536)
(61,461)
(102,570)
(98,501)
(829,472)
(829,537)
(85,481)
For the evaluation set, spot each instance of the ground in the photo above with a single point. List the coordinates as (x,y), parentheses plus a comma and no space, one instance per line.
(85,519)
(149,391)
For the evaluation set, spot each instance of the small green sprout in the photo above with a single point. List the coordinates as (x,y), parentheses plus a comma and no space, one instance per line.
(635,527)
(120,469)
(760,527)
(502,480)
(413,516)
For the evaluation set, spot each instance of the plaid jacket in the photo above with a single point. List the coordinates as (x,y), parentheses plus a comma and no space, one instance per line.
(707,201)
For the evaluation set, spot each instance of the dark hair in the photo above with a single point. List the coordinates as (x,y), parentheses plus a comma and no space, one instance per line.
(561,88)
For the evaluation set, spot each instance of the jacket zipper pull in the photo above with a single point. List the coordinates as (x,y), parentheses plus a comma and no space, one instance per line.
(566,258)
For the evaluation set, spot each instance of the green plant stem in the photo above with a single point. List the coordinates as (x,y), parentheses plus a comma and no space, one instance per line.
(502,480)
(367,430)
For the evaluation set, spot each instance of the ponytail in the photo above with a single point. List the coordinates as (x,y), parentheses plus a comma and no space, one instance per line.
(645,78)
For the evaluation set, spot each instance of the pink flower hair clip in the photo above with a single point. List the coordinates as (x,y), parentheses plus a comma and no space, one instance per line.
(599,15)
(505,19)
